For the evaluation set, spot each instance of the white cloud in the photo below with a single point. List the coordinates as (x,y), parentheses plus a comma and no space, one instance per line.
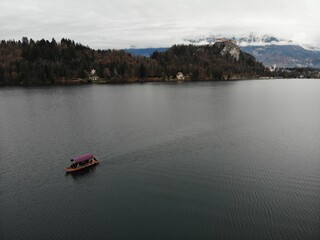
(146,23)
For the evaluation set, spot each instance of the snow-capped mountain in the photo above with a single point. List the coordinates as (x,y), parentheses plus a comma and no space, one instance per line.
(264,40)
(242,40)
(269,49)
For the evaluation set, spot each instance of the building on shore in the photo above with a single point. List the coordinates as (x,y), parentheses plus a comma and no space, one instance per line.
(93,75)
(180,76)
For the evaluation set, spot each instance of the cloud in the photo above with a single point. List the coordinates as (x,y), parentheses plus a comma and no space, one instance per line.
(146,23)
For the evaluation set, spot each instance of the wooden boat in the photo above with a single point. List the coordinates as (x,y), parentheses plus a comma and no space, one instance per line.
(81,162)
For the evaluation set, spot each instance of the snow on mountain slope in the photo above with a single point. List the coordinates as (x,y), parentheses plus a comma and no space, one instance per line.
(242,40)
(269,50)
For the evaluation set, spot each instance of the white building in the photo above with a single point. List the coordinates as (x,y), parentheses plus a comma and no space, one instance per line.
(93,75)
(180,76)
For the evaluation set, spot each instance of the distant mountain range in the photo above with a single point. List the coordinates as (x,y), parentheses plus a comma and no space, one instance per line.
(267,49)
(145,52)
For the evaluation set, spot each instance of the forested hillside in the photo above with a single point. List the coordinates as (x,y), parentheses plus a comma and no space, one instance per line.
(209,62)
(47,62)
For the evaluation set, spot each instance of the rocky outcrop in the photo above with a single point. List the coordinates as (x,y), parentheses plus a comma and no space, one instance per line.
(228,47)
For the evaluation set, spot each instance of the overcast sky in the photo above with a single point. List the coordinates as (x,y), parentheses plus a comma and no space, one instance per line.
(157,23)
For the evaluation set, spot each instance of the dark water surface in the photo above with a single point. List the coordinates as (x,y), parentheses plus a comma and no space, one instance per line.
(219,160)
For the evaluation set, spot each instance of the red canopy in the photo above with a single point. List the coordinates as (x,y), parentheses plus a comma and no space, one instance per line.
(82,158)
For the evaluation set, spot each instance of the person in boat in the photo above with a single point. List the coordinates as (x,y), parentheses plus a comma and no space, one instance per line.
(81,162)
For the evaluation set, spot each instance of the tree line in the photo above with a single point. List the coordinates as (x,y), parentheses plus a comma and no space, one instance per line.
(47,62)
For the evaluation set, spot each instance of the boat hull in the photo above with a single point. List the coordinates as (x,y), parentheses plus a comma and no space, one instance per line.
(92,163)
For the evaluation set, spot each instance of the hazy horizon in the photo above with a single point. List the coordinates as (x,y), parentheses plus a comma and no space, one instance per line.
(140,23)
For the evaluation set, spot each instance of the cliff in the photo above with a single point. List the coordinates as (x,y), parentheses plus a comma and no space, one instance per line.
(230,48)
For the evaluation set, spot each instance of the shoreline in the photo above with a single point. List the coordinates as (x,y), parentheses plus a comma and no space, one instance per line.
(138,82)
(80,82)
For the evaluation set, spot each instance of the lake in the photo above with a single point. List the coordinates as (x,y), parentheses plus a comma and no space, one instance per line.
(206,160)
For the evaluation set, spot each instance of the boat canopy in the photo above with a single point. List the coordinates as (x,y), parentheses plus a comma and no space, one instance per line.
(82,158)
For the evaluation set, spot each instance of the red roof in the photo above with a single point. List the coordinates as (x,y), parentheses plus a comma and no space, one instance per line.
(82,158)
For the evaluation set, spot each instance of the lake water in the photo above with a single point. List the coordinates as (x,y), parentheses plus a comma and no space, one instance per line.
(216,160)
